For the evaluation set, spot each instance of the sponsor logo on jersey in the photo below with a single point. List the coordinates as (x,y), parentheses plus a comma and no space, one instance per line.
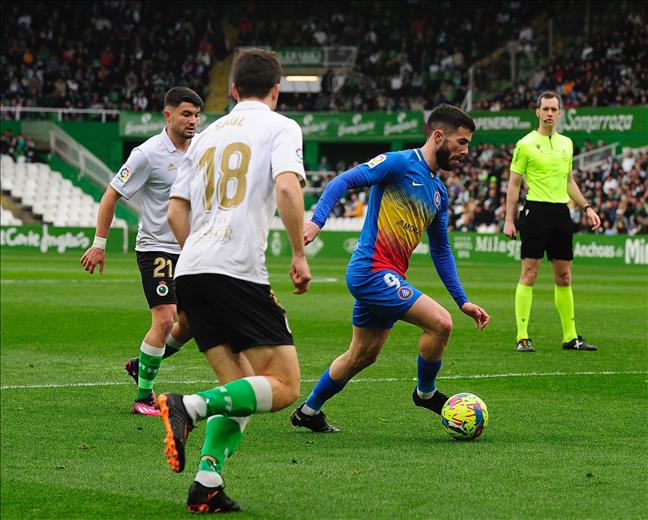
(408,227)
(300,154)
(377,160)
(162,289)
(171,167)
(123,175)
(437,200)
(405,293)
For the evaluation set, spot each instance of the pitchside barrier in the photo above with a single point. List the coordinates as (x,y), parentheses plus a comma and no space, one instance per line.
(50,239)
(477,247)
(467,247)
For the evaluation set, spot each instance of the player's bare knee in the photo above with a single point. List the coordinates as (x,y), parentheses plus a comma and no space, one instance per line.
(563,279)
(443,325)
(363,359)
(163,322)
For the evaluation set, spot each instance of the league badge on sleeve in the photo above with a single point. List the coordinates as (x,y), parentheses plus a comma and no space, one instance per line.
(123,175)
(377,160)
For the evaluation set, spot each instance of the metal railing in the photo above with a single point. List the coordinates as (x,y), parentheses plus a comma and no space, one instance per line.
(18,113)
(89,165)
(595,158)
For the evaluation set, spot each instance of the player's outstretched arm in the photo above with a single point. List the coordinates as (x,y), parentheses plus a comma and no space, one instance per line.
(95,255)
(290,204)
(478,314)
(512,197)
(178,217)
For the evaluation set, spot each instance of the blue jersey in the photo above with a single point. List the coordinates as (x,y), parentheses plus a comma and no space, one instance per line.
(406,199)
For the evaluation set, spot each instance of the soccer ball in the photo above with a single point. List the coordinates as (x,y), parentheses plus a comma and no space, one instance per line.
(464,416)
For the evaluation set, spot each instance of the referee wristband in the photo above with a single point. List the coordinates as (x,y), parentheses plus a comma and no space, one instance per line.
(587,207)
(99,242)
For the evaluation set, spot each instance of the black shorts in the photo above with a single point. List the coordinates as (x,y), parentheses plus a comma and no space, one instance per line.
(546,226)
(223,310)
(157,268)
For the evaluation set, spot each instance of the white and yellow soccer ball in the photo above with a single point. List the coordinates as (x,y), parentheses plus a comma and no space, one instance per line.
(464,416)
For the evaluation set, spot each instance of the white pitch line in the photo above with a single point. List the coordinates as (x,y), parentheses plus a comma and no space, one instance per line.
(377,380)
(64,281)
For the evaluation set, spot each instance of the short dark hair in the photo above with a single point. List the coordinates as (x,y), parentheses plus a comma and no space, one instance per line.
(177,95)
(548,94)
(449,118)
(256,71)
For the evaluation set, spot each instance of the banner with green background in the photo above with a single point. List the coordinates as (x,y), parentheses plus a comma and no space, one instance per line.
(361,126)
(626,125)
(50,239)
(477,247)
(333,126)
(143,125)
(467,247)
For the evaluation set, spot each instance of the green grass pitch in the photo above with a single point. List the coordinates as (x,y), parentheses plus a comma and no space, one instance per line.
(567,436)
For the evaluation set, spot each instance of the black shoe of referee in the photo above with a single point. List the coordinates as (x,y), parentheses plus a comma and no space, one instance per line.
(578,344)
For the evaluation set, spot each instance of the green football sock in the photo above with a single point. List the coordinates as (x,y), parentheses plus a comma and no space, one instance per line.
(239,398)
(150,359)
(523,299)
(222,438)
(564,300)
(172,346)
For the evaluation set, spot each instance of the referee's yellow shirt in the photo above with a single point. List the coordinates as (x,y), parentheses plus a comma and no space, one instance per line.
(545,162)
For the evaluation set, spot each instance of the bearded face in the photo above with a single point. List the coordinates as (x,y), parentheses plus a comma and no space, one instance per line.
(444,158)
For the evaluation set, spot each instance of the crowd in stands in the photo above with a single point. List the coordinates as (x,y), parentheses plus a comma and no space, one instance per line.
(618,191)
(115,55)
(17,146)
(409,56)
(607,70)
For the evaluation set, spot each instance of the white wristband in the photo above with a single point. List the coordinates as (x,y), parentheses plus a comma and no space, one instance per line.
(99,242)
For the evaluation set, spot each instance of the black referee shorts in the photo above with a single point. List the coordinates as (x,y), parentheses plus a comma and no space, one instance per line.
(546,226)
(225,310)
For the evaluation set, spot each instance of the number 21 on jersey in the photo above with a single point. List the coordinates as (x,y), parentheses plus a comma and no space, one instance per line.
(231,184)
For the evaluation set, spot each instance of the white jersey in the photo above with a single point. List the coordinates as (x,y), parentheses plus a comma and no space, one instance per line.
(151,169)
(228,176)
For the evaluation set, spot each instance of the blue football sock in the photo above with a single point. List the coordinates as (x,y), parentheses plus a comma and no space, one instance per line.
(323,391)
(427,373)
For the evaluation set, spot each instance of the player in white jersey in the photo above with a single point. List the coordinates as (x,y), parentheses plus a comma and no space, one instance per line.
(239,170)
(150,170)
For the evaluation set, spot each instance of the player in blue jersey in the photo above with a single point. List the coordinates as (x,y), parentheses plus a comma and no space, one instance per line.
(407,198)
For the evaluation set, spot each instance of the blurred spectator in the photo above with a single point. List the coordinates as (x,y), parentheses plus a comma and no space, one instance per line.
(628,160)
(354,207)
(8,144)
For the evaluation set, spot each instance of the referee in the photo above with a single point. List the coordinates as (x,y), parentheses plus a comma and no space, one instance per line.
(544,157)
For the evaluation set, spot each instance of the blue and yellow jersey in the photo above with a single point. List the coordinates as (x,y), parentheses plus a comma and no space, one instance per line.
(406,199)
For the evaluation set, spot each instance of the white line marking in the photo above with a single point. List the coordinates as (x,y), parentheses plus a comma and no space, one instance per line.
(65,281)
(378,380)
